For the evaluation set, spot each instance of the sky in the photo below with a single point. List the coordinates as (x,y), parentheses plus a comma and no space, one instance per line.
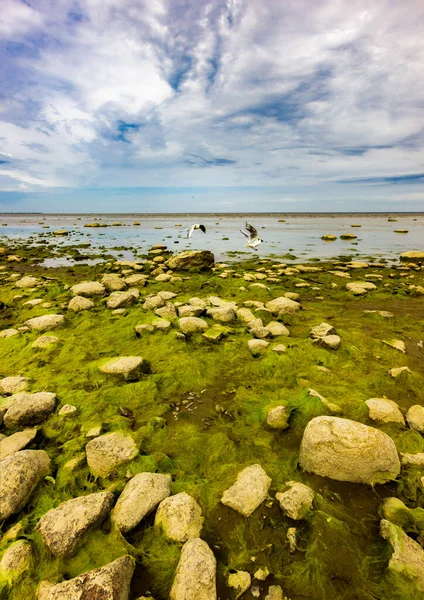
(201,106)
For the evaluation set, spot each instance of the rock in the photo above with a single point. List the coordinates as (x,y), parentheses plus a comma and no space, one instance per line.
(320,331)
(261,574)
(88,289)
(190,311)
(106,452)
(296,499)
(137,279)
(152,302)
(223,314)
(249,490)
(139,498)
(20,475)
(407,559)
(396,344)
(215,333)
(279,348)
(114,283)
(275,592)
(129,368)
(245,315)
(332,342)
(29,409)
(329,237)
(63,528)
(179,517)
(334,408)
(168,312)
(161,324)
(386,411)
(79,303)
(397,371)
(409,519)
(198,302)
(6,333)
(415,418)
(45,322)
(12,385)
(359,288)
(192,325)
(257,329)
(412,459)
(257,347)
(240,581)
(17,558)
(44,341)
(123,299)
(291,537)
(111,582)
(348,236)
(34,302)
(68,410)
(13,443)
(283,306)
(348,451)
(277,418)
(27,282)
(192,260)
(412,255)
(163,277)
(276,329)
(143,328)
(195,578)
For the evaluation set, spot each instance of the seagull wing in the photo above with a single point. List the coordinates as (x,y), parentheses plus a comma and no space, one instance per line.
(253,232)
(202,228)
(189,231)
(244,233)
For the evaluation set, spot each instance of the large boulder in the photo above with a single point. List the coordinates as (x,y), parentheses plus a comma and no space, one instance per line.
(20,474)
(29,409)
(195,578)
(63,528)
(282,306)
(249,490)
(407,560)
(13,443)
(45,322)
(129,368)
(198,260)
(106,452)
(111,582)
(348,451)
(140,497)
(179,517)
(89,289)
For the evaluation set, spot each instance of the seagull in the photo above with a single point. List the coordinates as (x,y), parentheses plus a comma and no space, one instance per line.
(189,230)
(252,235)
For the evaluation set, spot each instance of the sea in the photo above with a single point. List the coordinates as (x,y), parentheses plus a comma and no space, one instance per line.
(287,236)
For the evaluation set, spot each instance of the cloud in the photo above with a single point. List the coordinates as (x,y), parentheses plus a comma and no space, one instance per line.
(298,95)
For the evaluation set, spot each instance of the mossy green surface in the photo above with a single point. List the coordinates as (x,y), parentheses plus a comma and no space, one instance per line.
(200,415)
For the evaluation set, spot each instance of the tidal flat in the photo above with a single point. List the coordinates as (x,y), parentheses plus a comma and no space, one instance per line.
(114,373)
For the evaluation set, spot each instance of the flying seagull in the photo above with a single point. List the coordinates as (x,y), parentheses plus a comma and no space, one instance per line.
(189,230)
(252,235)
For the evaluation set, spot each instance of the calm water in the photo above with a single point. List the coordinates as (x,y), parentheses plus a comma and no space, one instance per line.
(299,235)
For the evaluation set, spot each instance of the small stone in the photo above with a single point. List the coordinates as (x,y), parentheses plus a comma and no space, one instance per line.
(276,329)
(129,368)
(68,410)
(192,325)
(397,371)
(261,574)
(88,289)
(123,299)
(279,348)
(277,418)
(249,490)
(29,409)
(27,282)
(396,344)
(283,306)
(161,324)
(12,385)
(152,302)
(385,411)
(416,459)
(322,330)
(195,578)
(415,418)
(296,499)
(13,443)
(407,559)
(6,333)
(332,342)
(359,288)
(45,322)
(179,517)
(106,452)
(17,558)
(143,328)
(32,303)
(275,592)
(44,341)
(114,283)
(240,581)
(79,303)
(292,539)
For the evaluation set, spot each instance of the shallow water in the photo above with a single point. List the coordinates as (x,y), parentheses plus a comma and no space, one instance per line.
(299,235)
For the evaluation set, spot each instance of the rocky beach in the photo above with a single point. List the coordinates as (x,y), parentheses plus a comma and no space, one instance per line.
(178,427)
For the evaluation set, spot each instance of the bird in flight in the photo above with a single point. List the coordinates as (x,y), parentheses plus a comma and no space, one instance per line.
(252,235)
(189,230)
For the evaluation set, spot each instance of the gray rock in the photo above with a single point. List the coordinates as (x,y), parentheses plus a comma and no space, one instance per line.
(140,497)
(63,528)
(407,559)
(45,322)
(17,558)
(245,315)
(20,475)
(223,314)
(13,385)
(276,329)
(282,306)
(249,490)
(13,443)
(68,410)
(415,417)
(385,411)
(179,517)
(106,452)
(168,311)
(187,310)
(29,409)
(111,582)
(79,303)
(332,342)
(296,499)
(348,451)
(195,578)
(321,330)
(152,302)
(123,299)
(279,348)
(257,347)
(89,289)
(129,368)
(196,260)
(192,325)
(277,418)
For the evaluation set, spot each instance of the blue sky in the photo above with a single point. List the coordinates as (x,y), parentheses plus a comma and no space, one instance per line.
(226,105)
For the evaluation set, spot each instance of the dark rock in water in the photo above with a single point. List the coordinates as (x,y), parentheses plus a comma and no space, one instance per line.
(126,412)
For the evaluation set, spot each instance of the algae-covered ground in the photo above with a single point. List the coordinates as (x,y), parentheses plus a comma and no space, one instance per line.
(200,415)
